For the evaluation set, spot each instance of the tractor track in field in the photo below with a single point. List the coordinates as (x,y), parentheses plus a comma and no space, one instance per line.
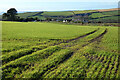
(98,38)
(90,41)
(81,36)
(67,41)
(70,40)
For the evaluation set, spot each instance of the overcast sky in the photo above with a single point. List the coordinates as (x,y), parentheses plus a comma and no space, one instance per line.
(56,5)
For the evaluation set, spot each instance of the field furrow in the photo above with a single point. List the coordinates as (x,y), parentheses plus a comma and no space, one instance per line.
(24,62)
(50,62)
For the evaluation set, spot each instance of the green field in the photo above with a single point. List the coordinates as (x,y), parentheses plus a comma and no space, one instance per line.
(54,50)
(63,13)
(108,19)
(98,15)
(27,14)
(84,11)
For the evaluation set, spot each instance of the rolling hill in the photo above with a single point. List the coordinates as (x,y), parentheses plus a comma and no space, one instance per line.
(95,15)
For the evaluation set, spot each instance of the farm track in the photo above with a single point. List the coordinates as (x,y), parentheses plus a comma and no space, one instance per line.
(98,38)
(68,41)
(90,41)
(82,36)
(55,66)
(103,59)
(96,58)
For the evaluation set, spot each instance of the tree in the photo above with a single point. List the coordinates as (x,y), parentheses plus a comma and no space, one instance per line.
(10,15)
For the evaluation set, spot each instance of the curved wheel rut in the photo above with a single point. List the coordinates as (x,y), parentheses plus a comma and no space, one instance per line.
(68,41)
(97,38)
(90,41)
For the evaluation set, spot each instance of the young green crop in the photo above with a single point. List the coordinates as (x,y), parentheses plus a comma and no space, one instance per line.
(35,49)
(27,60)
(17,54)
(38,30)
(50,62)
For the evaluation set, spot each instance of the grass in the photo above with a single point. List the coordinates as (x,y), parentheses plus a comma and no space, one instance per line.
(13,39)
(64,13)
(84,11)
(111,43)
(39,17)
(112,13)
(97,15)
(44,50)
(40,30)
(108,19)
(27,14)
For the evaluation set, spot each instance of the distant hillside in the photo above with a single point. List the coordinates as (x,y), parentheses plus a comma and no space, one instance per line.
(102,10)
(95,15)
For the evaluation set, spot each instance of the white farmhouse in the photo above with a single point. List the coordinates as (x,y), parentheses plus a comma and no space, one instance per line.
(64,20)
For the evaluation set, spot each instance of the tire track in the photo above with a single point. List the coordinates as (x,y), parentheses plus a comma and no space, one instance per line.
(98,38)
(82,36)
(68,41)
(90,41)
(74,39)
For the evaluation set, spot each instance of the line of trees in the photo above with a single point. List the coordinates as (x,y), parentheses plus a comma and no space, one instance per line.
(11,15)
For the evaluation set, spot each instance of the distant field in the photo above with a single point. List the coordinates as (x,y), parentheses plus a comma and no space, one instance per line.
(111,13)
(97,15)
(27,14)
(108,19)
(102,10)
(53,50)
(104,14)
(84,11)
(64,13)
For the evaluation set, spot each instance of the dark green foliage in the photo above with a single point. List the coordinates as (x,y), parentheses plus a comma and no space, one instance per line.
(10,15)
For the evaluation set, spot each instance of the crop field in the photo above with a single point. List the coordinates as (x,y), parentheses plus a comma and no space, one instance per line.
(54,50)
(108,19)
(58,13)
(84,11)
(27,14)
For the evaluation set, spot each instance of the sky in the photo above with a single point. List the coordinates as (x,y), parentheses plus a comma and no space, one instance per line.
(56,5)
